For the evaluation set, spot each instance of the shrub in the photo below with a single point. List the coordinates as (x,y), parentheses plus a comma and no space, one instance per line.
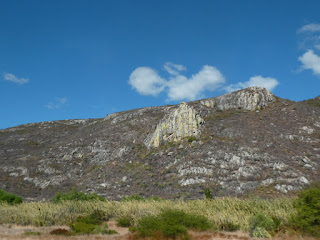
(307,218)
(9,198)
(98,216)
(61,231)
(135,197)
(83,227)
(191,139)
(171,224)
(228,227)
(124,222)
(208,194)
(103,229)
(155,226)
(75,195)
(260,232)
(259,222)
(92,223)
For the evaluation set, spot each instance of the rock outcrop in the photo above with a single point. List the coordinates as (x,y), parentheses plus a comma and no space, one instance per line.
(251,98)
(181,122)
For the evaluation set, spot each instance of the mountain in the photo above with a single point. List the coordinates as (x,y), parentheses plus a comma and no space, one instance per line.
(241,143)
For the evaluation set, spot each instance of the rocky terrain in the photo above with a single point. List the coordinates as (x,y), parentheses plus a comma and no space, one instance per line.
(242,143)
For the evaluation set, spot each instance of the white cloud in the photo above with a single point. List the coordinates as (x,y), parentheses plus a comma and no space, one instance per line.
(256,81)
(311,61)
(146,81)
(58,103)
(174,69)
(309,36)
(12,78)
(310,28)
(207,79)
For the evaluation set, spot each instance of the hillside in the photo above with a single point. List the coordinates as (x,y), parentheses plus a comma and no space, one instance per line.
(245,142)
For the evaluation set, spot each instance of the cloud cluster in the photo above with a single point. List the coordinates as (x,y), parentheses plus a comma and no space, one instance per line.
(12,78)
(147,81)
(309,28)
(58,103)
(310,60)
(258,81)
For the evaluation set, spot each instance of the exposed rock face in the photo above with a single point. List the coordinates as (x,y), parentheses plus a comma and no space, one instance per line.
(181,122)
(251,98)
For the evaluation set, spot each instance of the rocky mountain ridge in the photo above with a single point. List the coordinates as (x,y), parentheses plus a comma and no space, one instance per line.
(245,142)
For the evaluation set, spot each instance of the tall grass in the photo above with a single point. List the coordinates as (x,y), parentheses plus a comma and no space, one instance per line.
(218,211)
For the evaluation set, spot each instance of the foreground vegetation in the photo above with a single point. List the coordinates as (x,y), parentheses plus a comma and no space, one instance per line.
(219,211)
(154,217)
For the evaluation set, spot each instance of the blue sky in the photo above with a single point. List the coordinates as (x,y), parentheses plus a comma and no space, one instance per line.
(85,59)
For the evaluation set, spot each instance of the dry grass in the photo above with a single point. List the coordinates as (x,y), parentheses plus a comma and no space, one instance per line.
(220,210)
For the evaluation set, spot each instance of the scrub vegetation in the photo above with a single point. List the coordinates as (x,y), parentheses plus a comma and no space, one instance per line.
(159,218)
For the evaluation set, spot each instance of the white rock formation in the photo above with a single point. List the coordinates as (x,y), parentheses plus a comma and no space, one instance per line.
(181,122)
(251,98)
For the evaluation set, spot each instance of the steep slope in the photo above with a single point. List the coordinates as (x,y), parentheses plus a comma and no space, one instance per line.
(245,142)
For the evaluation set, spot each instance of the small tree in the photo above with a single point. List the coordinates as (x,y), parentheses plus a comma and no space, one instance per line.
(307,218)
(208,194)
(261,226)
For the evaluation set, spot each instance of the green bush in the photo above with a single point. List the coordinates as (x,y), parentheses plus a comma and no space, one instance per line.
(103,229)
(92,223)
(124,222)
(228,227)
(307,218)
(98,216)
(135,197)
(171,224)
(75,195)
(260,232)
(82,227)
(191,139)
(9,198)
(208,194)
(260,222)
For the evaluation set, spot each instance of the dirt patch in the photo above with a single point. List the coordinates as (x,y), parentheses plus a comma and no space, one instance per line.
(220,235)
(14,232)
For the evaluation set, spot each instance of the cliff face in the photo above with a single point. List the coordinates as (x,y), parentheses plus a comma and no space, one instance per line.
(252,98)
(181,122)
(245,142)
